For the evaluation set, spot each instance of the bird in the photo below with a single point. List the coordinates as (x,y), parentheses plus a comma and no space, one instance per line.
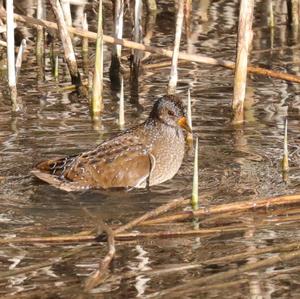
(143,156)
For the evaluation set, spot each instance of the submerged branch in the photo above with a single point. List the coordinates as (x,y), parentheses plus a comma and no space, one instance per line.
(230,207)
(96,278)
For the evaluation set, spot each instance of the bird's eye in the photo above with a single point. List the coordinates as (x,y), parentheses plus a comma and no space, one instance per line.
(171,113)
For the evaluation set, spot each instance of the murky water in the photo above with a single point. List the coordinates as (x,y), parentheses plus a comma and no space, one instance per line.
(237,163)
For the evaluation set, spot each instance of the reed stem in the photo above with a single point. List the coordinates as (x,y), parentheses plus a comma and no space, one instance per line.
(244,40)
(174,72)
(195,196)
(97,101)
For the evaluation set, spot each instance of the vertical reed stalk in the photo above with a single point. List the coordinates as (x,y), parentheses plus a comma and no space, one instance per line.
(174,73)
(285,159)
(271,20)
(65,5)
(187,17)
(137,54)
(151,5)
(97,101)
(189,117)
(55,70)
(119,19)
(195,196)
(12,82)
(114,70)
(85,47)
(295,12)
(244,41)
(67,43)
(20,57)
(40,40)
(122,106)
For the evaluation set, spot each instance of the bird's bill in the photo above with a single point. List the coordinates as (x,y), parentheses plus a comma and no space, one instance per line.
(183,124)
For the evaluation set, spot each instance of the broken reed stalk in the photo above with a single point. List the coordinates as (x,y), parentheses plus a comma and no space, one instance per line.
(97,101)
(230,207)
(131,236)
(245,35)
(168,53)
(174,71)
(20,57)
(96,278)
(285,159)
(153,213)
(195,196)
(192,285)
(12,81)
(67,43)
(122,106)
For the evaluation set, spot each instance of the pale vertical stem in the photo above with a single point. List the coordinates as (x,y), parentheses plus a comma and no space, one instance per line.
(189,117)
(195,197)
(187,17)
(65,5)
(244,41)
(271,21)
(97,102)
(67,42)
(138,8)
(20,57)
(285,159)
(174,73)
(119,19)
(122,105)
(40,39)
(114,70)
(85,40)
(55,71)
(137,54)
(16,104)
(295,12)
(85,46)
(151,5)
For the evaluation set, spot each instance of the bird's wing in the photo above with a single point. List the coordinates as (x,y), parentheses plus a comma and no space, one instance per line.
(120,162)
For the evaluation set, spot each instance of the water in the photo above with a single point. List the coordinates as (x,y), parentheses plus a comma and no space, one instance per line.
(236,163)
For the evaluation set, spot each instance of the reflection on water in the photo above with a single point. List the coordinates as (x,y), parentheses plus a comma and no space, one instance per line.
(237,163)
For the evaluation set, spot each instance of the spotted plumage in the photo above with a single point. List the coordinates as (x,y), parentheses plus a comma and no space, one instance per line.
(147,154)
